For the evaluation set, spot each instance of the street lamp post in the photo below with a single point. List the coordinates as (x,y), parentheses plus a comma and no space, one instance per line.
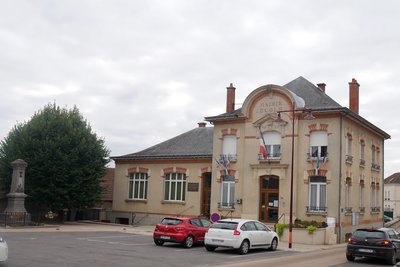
(308,116)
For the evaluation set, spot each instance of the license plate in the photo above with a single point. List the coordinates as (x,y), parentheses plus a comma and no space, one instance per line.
(217,240)
(366,250)
(165,237)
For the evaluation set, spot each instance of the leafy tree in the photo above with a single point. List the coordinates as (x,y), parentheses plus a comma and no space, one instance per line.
(65,159)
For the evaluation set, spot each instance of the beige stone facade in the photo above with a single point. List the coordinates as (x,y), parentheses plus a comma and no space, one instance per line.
(336,175)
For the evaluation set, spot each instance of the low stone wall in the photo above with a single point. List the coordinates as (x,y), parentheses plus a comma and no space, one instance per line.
(321,236)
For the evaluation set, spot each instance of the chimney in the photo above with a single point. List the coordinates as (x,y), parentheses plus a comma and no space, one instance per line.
(354,95)
(321,86)
(230,98)
(201,124)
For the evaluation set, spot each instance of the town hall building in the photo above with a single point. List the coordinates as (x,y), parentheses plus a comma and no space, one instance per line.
(288,150)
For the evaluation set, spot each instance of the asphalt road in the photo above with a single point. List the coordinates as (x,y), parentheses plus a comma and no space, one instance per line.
(45,249)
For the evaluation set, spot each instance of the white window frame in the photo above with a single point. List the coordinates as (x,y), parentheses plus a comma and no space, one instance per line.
(348,194)
(229,146)
(175,187)
(318,206)
(227,191)
(349,142)
(362,150)
(372,196)
(318,144)
(361,196)
(273,142)
(373,154)
(137,185)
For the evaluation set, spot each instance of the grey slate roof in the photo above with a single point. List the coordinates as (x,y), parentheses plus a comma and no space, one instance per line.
(312,95)
(393,179)
(314,98)
(196,143)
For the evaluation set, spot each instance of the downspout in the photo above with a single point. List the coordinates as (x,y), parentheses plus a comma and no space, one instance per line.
(340,181)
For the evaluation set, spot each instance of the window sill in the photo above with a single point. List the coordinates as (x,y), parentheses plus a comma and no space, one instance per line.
(226,208)
(173,202)
(317,213)
(270,160)
(136,200)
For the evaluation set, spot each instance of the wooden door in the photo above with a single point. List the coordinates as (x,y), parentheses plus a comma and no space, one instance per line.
(269,199)
(206,194)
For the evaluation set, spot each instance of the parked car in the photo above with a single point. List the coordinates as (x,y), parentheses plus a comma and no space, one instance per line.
(381,243)
(386,218)
(183,230)
(3,250)
(240,234)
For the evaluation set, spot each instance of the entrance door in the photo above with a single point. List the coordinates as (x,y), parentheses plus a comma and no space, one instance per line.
(206,194)
(269,198)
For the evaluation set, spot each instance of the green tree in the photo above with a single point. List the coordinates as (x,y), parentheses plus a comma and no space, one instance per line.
(65,159)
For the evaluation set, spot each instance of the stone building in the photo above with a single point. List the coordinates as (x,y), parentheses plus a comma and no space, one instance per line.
(288,148)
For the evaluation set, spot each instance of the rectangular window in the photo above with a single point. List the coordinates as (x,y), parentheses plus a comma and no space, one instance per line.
(319,144)
(175,186)
(317,194)
(372,197)
(362,150)
(228,192)
(273,151)
(348,193)
(137,187)
(373,155)
(229,146)
(349,145)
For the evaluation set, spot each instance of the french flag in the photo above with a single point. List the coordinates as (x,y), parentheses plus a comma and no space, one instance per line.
(263,150)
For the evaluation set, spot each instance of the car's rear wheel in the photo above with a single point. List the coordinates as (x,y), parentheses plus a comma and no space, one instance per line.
(392,259)
(274,244)
(210,248)
(244,247)
(188,243)
(350,257)
(158,242)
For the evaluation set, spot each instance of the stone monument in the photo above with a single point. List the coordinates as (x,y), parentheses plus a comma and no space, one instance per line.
(16,197)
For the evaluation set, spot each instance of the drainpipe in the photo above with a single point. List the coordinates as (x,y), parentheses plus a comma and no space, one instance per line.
(340,181)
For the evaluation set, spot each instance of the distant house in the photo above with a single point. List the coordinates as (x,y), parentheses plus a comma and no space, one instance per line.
(255,161)
(107,184)
(392,195)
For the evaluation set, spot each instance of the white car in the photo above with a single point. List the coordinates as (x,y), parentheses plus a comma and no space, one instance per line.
(3,250)
(240,234)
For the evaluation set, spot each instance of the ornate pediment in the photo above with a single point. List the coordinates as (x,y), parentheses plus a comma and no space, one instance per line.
(268,121)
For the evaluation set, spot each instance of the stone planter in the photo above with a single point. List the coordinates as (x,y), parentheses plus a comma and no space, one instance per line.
(321,236)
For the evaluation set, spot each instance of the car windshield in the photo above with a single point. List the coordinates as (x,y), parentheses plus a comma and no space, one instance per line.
(225,225)
(171,221)
(364,234)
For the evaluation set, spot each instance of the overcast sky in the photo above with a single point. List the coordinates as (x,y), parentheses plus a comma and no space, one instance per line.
(142,72)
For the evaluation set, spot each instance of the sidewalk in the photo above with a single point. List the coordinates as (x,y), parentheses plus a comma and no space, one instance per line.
(88,226)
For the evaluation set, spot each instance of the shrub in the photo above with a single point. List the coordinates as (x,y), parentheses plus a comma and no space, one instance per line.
(311,229)
(280,227)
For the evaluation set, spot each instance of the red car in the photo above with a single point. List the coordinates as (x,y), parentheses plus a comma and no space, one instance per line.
(183,230)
